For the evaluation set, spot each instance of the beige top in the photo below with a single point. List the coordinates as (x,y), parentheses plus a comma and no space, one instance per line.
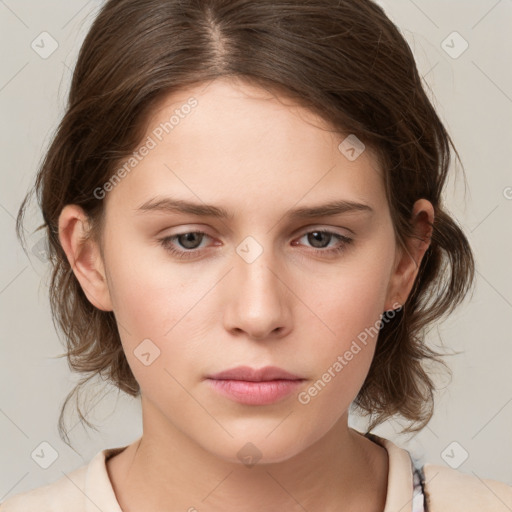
(88,489)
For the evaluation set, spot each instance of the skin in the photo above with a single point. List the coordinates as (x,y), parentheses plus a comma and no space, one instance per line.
(291,307)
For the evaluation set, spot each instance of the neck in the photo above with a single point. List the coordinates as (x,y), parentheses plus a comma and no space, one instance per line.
(166,471)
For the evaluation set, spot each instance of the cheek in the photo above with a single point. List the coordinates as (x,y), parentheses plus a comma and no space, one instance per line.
(342,364)
(167,304)
(352,301)
(150,303)
(151,312)
(350,306)
(148,294)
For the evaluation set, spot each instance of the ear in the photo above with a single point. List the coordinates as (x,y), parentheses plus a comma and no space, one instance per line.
(408,259)
(84,256)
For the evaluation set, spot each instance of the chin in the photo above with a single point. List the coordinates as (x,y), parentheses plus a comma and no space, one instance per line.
(257,448)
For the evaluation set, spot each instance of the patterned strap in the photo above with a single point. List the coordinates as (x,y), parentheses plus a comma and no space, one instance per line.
(419,503)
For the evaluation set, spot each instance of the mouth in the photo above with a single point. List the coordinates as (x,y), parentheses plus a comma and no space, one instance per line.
(255,386)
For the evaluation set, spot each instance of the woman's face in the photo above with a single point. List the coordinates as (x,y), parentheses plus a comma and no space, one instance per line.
(260,286)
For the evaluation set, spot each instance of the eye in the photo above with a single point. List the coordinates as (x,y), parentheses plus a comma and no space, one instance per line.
(190,241)
(320,239)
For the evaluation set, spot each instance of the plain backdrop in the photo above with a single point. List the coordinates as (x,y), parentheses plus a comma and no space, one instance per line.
(472,91)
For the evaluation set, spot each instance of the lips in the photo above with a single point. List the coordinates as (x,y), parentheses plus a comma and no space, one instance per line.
(251,386)
(249,374)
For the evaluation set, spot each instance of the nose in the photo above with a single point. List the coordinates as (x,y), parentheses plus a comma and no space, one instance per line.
(258,299)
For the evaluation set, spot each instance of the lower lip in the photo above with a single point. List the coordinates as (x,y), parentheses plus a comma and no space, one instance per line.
(255,393)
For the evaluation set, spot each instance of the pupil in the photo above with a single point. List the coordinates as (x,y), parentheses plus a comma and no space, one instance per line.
(188,238)
(317,236)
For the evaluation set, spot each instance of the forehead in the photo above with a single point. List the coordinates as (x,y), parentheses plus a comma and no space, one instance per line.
(235,143)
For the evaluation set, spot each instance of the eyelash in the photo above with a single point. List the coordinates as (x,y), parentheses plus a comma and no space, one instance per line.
(167,241)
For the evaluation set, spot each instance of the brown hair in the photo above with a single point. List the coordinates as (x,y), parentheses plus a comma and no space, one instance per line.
(343,59)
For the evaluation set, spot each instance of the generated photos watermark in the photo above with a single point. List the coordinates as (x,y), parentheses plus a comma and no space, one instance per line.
(304,397)
(151,142)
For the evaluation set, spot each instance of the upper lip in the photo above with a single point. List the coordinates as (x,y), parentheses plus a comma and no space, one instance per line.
(254,375)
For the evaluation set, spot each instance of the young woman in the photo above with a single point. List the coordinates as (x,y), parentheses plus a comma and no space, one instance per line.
(244,214)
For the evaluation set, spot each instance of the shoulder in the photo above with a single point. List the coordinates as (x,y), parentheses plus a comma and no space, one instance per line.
(64,494)
(450,490)
(86,488)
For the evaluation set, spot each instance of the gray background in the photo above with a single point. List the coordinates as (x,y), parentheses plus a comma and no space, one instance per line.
(473,95)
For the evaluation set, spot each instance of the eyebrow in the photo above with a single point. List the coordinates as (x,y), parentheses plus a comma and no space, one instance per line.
(172,205)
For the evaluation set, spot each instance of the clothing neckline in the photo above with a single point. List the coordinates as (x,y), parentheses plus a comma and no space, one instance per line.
(402,484)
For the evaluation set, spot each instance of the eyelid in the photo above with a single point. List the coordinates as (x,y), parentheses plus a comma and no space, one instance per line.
(298,233)
(324,227)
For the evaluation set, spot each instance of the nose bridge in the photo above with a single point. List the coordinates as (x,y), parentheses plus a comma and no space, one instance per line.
(258,302)
(256,271)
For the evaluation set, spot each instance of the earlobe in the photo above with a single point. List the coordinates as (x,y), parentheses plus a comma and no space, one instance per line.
(84,256)
(408,260)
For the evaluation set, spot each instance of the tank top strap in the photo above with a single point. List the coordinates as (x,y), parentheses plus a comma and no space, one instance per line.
(419,501)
